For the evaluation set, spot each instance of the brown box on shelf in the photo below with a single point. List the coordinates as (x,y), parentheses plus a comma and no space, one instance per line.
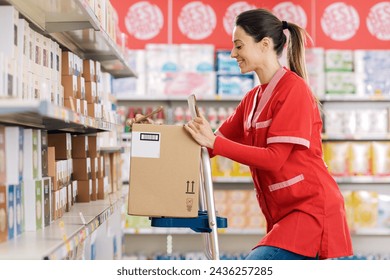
(89,70)
(102,188)
(84,190)
(71,104)
(94,168)
(80,147)
(100,173)
(92,110)
(164,172)
(67,65)
(93,146)
(70,86)
(80,88)
(3,214)
(62,143)
(82,168)
(90,92)
(51,167)
(69,197)
(94,189)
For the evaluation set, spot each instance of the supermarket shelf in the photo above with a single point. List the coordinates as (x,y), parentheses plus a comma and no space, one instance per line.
(111,149)
(238,231)
(45,115)
(361,137)
(354,98)
(179,231)
(75,26)
(362,180)
(182,98)
(63,236)
(371,232)
(232,180)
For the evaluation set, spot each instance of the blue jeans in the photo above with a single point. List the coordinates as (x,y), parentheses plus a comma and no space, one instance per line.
(275,253)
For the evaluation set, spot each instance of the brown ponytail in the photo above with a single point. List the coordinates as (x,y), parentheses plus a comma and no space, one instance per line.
(296,50)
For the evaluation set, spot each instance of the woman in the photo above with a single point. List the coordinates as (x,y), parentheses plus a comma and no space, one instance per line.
(276,131)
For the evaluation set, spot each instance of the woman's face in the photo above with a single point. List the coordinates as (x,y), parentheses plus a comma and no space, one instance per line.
(246,51)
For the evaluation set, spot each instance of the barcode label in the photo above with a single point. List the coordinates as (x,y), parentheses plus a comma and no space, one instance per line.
(149,137)
(145,144)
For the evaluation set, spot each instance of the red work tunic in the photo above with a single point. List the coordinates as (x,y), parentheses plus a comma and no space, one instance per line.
(301,202)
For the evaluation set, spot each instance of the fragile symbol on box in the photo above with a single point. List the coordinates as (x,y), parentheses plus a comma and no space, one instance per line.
(192,187)
(189,204)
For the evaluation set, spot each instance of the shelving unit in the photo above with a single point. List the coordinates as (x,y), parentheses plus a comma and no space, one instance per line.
(90,230)
(63,238)
(45,115)
(74,26)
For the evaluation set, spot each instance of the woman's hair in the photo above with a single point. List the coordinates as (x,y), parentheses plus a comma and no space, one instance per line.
(260,23)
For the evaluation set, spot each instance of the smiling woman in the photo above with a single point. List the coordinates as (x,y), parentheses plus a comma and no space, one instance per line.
(276,131)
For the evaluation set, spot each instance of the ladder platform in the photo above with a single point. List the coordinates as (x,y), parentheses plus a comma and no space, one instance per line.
(197,224)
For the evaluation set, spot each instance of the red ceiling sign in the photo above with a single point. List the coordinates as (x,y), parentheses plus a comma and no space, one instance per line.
(345,24)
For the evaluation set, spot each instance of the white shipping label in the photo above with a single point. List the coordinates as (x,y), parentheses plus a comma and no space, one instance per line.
(145,144)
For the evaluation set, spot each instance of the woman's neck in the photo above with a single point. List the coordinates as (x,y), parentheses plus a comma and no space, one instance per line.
(266,73)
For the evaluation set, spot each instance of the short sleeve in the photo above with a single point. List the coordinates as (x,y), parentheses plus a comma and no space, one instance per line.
(293,116)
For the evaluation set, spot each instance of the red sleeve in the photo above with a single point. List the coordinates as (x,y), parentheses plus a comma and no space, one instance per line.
(270,158)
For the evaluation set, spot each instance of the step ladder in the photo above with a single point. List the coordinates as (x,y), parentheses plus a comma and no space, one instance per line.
(207,221)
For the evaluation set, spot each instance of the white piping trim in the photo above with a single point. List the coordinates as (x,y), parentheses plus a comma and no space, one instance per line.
(248,123)
(263,124)
(286,184)
(289,139)
(266,95)
(218,133)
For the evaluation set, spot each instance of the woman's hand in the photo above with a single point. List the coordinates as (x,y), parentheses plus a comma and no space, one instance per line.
(201,131)
(139,118)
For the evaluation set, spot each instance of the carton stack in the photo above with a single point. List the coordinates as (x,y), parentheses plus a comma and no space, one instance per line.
(60,168)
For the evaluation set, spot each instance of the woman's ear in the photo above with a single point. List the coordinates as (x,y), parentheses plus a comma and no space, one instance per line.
(265,44)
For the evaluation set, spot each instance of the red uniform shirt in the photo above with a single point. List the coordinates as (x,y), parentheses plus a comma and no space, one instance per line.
(276,131)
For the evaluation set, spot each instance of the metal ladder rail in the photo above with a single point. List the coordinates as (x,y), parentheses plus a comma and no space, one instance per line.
(206,202)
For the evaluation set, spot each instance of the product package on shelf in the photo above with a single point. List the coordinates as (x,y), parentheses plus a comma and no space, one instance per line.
(314,58)
(372,69)
(367,210)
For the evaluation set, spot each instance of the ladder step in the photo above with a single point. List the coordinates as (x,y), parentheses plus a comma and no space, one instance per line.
(197,224)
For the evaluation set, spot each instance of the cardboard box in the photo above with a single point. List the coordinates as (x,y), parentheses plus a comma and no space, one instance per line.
(89,70)
(70,86)
(63,144)
(67,63)
(80,146)
(164,172)
(93,146)
(94,189)
(102,188)
(82,168)
(84,190)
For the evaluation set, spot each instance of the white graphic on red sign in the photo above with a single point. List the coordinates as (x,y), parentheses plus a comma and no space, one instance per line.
(197,21)
(290,12)
(378,21)
(340,21)
(144,20)
(232,11)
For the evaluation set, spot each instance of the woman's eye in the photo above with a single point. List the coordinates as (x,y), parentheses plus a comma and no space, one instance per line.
(238,47)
